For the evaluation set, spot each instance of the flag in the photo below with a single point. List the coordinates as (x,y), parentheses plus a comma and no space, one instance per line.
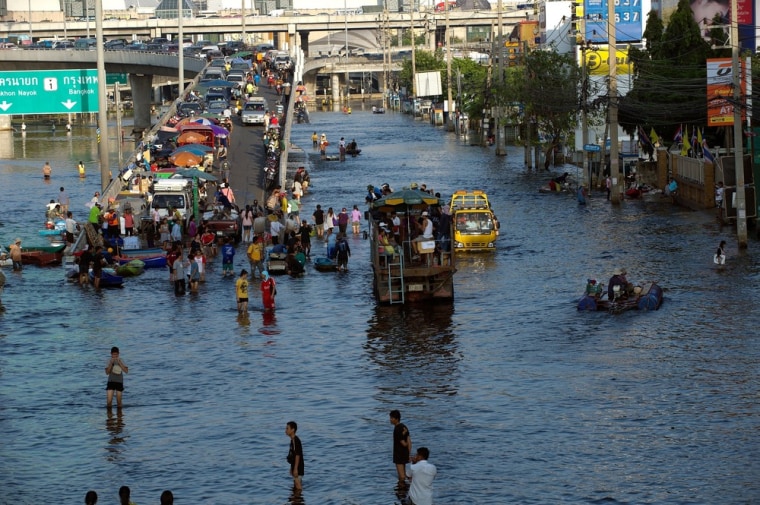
(653,136)
(706,152)
(693,145)
(643,138)
(699,137)
(678,137)
(685,142)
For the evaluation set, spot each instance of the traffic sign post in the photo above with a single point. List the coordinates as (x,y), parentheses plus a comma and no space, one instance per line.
(49,92)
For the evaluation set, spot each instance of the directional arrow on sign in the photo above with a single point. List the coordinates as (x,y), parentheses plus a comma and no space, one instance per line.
(68,104)
(5,105)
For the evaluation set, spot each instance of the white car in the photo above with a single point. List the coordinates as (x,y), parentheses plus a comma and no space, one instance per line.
(254,111)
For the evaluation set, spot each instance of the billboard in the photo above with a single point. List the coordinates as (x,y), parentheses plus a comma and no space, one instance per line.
(704,12)
(720,92)
(598,61)
(628,20)
(428,83)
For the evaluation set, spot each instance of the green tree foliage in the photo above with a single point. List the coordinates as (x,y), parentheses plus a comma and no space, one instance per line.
(547,87)
(468,79)
(425,61)
(669,76)
(468,86)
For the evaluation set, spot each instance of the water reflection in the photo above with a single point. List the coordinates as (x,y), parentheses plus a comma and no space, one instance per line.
(115,427)
(296,498)
(415,348)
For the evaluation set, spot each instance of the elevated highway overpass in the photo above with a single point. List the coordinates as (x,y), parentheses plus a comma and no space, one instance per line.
(283,31)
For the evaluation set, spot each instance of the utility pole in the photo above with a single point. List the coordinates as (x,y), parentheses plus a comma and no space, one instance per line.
(105,171)
(613,105)
(736,72)
(242,28)
(345,22)
(500,150)
(181,48)
(586,177)
(414,62)
(448,67)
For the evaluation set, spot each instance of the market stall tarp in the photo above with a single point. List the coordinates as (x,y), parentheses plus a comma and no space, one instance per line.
(186,159)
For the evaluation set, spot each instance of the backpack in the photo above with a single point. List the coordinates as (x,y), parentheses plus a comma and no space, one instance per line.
(342,246)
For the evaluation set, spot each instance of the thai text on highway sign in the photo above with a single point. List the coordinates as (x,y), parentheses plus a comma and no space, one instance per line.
(49,91)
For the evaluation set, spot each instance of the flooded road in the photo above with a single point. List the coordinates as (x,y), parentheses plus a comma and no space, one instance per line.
(520,398)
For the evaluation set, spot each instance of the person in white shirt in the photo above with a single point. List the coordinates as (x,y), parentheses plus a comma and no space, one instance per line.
(422,474)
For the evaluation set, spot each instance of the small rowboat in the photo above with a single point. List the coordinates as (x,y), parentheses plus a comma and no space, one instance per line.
(42,256)
(651,300)
(151,261)
(131,268)
(53,228)
(139,253)
(325,265)
(109,278)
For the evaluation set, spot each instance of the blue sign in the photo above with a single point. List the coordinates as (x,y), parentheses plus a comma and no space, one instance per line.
(628,21)
(592,148)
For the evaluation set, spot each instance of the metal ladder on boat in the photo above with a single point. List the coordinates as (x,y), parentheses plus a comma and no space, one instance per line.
(396,282)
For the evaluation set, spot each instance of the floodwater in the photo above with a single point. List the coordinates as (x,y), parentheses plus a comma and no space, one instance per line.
(520,398)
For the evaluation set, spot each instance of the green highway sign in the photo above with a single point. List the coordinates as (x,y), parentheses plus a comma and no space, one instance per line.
(49,91)
(112,79)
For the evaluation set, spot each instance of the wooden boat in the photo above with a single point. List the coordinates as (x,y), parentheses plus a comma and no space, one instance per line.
(353,152)
(42,256)
(410,278)
(131,268)
(151,261)
(109,278)
(325,265)
(594,300)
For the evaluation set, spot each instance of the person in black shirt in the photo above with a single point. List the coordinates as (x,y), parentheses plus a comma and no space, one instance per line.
(295,455)
(402,444)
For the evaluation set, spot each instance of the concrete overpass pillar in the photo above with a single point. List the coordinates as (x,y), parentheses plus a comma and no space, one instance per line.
(335,86)
(310,81)
(431,39)
(142,86)
(304,43)
(282,40)
(5,123)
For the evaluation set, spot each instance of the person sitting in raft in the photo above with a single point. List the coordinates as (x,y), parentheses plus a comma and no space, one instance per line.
(557,183)
(618,281)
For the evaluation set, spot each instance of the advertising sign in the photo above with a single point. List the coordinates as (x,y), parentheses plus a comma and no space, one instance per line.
(628,20)
(720,109)
(598,61)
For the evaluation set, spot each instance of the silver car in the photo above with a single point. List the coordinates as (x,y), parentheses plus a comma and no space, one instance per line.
(254,111)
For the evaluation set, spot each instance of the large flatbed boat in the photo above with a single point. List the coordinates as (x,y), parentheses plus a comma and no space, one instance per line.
(409,269)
